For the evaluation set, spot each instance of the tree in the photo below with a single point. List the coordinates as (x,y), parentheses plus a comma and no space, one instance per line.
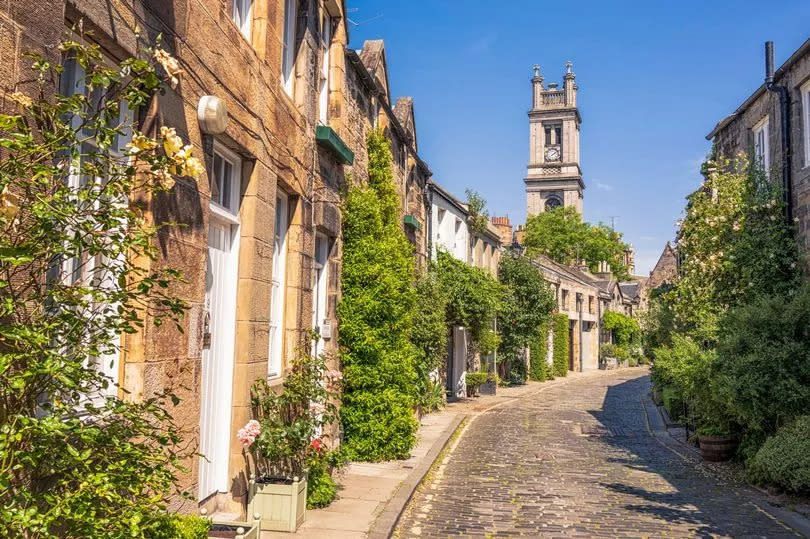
(526,306)
(561,235)
(376,317)
(77,459)
(476,209)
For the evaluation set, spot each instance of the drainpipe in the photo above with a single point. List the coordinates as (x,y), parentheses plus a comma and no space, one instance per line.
(784,117)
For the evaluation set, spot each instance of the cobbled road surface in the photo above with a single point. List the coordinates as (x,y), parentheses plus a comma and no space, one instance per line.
(577,460)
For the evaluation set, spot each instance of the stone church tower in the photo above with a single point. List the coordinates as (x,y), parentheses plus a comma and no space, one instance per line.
(554,177)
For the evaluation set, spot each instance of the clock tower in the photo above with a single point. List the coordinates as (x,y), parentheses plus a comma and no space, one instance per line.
(554,177)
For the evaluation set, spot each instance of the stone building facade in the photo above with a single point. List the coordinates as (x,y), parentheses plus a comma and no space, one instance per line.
(261,259)
(755,128)
(554,175)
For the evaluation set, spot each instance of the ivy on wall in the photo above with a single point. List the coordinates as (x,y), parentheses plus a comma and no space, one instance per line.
(527,303)
(625,328)
(539,369)
(376,315)
(473,295)
(561,344)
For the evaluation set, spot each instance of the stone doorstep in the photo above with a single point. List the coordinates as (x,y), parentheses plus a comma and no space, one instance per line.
(669,436)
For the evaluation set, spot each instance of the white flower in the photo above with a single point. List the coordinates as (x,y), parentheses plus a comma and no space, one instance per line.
(193,167)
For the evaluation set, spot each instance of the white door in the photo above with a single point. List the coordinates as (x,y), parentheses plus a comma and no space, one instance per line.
(217,358)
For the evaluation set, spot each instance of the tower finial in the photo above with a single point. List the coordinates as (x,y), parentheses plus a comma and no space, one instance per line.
(568,66)
(536,70)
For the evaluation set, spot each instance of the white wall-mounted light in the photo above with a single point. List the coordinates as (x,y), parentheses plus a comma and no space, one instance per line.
(212,115)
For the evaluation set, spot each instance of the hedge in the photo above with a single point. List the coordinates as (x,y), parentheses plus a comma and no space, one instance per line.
(560,363)
(540,370)
(784,459)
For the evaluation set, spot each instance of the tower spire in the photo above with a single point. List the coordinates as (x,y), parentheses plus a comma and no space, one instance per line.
(537,87)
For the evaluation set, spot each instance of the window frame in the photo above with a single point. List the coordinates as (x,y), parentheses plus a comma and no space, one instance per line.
(228,212)
(288,45)
(75,271)
(762,127)
(326,68)
(275,364)
(320,288)
(244,25)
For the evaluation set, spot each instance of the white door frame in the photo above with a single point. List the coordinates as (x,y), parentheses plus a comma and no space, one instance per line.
(216,400)
(320,288)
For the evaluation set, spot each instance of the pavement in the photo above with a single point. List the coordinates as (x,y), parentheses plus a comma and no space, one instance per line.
(372,496)
(587,458)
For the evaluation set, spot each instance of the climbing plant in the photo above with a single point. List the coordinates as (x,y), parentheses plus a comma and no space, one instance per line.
(561,344)
(539,368)
(429,336)
(77,459)
(478,217)
(625,328)
(376,315)
(527,303)
(473,295)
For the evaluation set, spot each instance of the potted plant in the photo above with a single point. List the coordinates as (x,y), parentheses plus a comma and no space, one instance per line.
(490,386)
(717,442)
(284,437)
(474,381)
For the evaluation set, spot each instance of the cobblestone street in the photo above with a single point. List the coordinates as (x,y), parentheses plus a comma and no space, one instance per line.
(577,460)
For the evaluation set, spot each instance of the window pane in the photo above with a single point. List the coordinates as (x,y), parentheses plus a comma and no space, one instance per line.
(226,184)
(216,184)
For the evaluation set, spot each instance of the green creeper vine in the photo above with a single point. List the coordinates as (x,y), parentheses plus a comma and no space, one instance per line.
(560,328)
(376,317)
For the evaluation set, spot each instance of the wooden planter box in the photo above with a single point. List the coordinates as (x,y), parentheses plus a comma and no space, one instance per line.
(233,530)
(278,507)
(488,388)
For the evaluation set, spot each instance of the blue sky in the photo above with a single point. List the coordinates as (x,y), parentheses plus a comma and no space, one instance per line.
(654,77)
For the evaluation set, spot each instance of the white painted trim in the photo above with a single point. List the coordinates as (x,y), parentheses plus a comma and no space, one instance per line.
(288,45)
(278,287)
(805,93)
(763,126)
(320,289)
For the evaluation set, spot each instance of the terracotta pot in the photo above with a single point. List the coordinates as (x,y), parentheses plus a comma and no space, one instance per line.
(717,448)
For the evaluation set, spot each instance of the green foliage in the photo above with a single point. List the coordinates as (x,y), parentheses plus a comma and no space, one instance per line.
(429,336)
(658,321)
(673,402)
(691,371)
(474,381)
(539,369)
(763,364)
(478,217)
(733,245)
(616,351)
(624,328)
(784,459)
(561,235)
(321,488)
(560,328)
(187,527)
(474,297)
(76,460)
(289,419)
(376,318)
(527,304)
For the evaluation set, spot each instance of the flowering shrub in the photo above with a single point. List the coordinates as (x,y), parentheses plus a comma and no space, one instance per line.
(285,433)
(733,244)
(77,460)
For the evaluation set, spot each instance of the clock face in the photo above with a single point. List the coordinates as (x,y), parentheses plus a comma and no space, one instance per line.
(552,154)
